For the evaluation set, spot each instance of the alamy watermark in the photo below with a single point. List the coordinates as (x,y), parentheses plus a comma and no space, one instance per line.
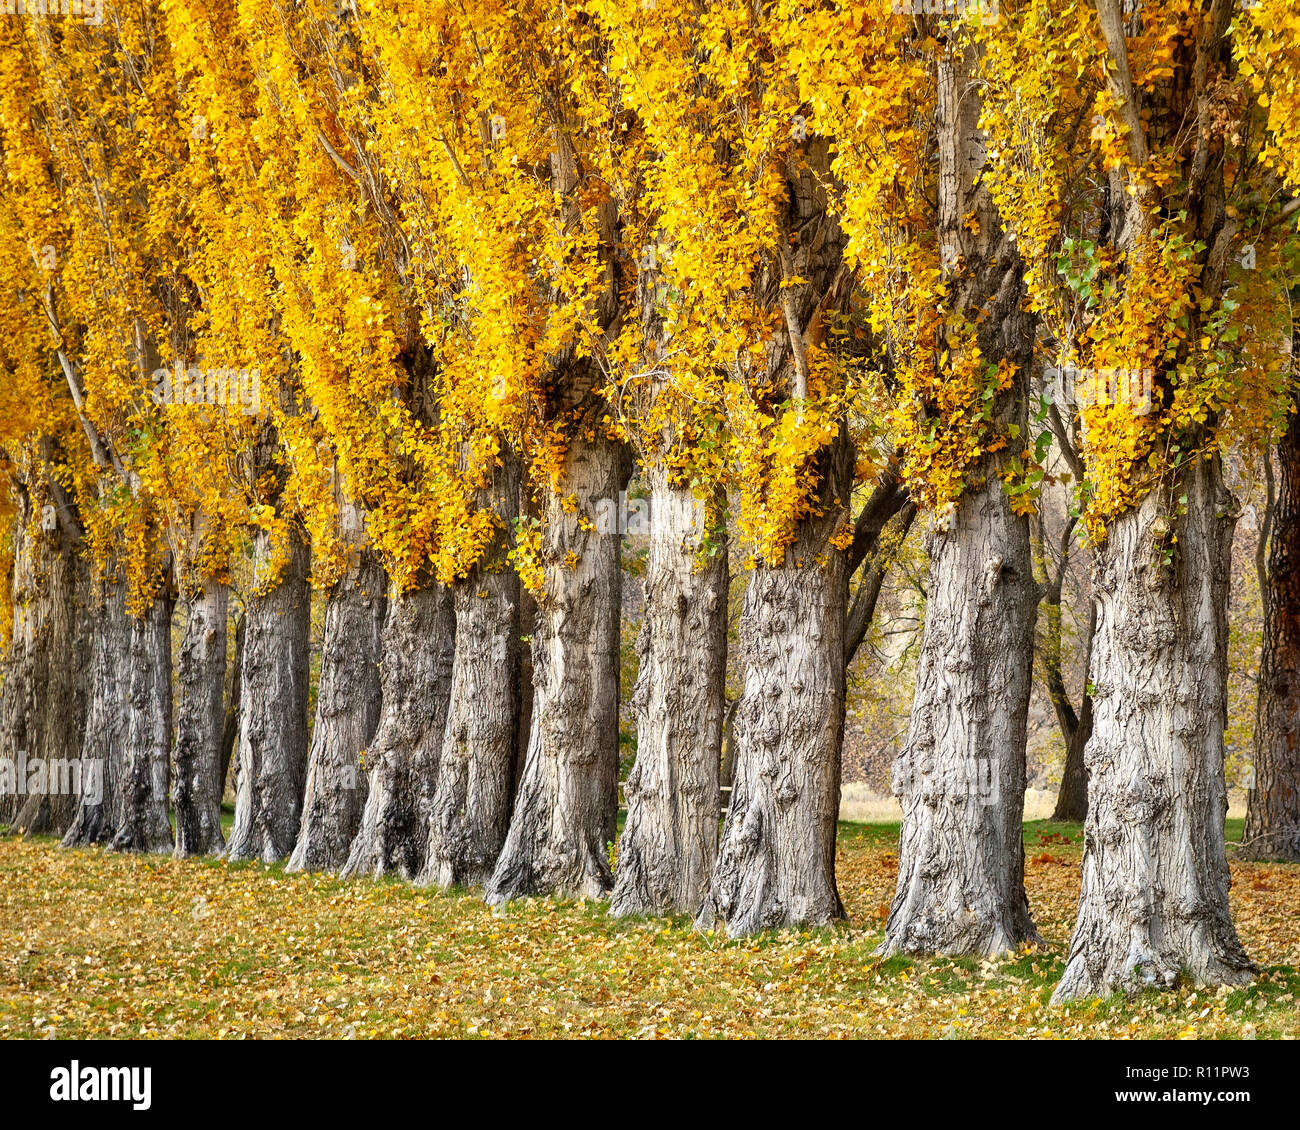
(632,515)
(67,776)
(986,11)
(969,778)
(76,1083)
(91,11)
(222,388)
(1133,387)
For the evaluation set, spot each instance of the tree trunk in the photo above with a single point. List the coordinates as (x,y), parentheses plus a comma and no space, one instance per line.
(17,703)
(1273,811)
(230,728)
(1154,897)
(142,819)
(402,761)
(670,841)
(524,715)
(566,811)
(272,769)
(104,740)
(472,798)
(200,717)
(1072,799)
(961,774)
(776,864)
(347,713)
(44,697)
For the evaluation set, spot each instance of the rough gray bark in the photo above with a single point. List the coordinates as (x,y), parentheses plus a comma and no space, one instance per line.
(347,713)
(670,840)
(230,728)
(402,761)
(524,715)
(142,823)
(961,773)
(1154,897)
(272,769)
(475,784)
(104,740)
(1273,811)
(1076,728)
(43,708)
(776,863)
(566,809)
(200,718)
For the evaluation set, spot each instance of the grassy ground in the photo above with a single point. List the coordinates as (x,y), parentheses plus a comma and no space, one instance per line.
(96,944)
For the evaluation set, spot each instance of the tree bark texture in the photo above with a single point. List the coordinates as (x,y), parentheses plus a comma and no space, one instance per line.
(670,841)
(1154,897)
(348,701)
(776,862)
(43,702)
(272,769)
(105,737)
(142,823)
(200,720)
(473,796)
(402,761)
(565,813)
(1273,811)
(961,774)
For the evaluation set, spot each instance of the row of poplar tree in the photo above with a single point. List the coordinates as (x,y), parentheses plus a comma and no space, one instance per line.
(389,299)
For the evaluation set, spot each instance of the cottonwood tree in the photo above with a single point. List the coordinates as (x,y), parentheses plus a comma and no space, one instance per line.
(1158,339)
(47,579)
(1268,52)
(491,177)
(662,382)
(749,315)
(358,439)
(942,281)
(115,303)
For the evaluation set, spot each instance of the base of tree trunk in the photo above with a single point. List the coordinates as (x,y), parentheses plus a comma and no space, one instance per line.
(97,817)
(402,760)
(1272,829)
(201,675)
(670,840)
(143,790)
(347,715)
(1153,906)
(473,796)
(565,814)
(43,701)
(776,862)
(272,767)
(961,774)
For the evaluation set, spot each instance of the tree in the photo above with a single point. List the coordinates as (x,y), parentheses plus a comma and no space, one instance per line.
(940,280)
(1267,48)
(348,700)
(787,379)
(674,419)
(1147,271)
(43,700)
